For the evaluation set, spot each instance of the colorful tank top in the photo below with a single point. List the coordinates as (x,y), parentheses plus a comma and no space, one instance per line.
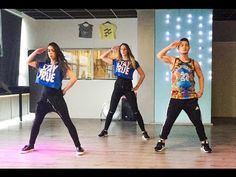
(183,84)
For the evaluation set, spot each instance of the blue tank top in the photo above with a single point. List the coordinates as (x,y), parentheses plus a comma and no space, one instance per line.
(49,75)
(124,69)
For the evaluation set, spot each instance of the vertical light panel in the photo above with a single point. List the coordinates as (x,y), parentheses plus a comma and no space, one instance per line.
(172,25)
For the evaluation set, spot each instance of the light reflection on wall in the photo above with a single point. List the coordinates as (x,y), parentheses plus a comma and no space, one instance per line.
(172,25)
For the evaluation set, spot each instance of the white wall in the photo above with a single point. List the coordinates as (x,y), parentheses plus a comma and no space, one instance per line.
(65,33)
(85,99)
(28,35)
(9,106)
(146,54)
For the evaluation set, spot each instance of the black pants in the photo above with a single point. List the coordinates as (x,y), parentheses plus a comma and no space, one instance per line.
(123,87)
(53,104)
(191,107)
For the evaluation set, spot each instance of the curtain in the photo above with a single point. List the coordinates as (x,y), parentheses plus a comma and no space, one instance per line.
(11,35)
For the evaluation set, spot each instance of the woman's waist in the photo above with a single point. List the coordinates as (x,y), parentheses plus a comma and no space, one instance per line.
(122,79)
(47,91)
(124,83)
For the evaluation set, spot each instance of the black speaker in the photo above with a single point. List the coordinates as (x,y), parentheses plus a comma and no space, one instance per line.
(127,113)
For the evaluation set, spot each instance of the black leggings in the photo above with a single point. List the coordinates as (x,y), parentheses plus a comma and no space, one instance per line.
(191,107)
(53,104)
(123,87)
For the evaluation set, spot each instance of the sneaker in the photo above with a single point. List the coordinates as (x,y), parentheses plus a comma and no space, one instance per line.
(160,146)
(205,147)
(145,136)
(103,133)
(26,149)
(80,151)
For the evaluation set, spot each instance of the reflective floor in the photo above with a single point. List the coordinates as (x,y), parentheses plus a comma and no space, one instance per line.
(123,148)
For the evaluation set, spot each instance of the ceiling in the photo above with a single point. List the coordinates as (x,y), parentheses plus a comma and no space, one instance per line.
(218,14)
(79,13)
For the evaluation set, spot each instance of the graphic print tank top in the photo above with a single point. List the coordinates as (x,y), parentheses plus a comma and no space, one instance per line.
(124,69)
(183,84)
(49,75)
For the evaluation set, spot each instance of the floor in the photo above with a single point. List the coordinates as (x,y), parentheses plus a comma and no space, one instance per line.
(122,149)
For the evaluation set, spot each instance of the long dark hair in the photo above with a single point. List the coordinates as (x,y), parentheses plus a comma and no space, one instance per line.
(62,62)
(130,55)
